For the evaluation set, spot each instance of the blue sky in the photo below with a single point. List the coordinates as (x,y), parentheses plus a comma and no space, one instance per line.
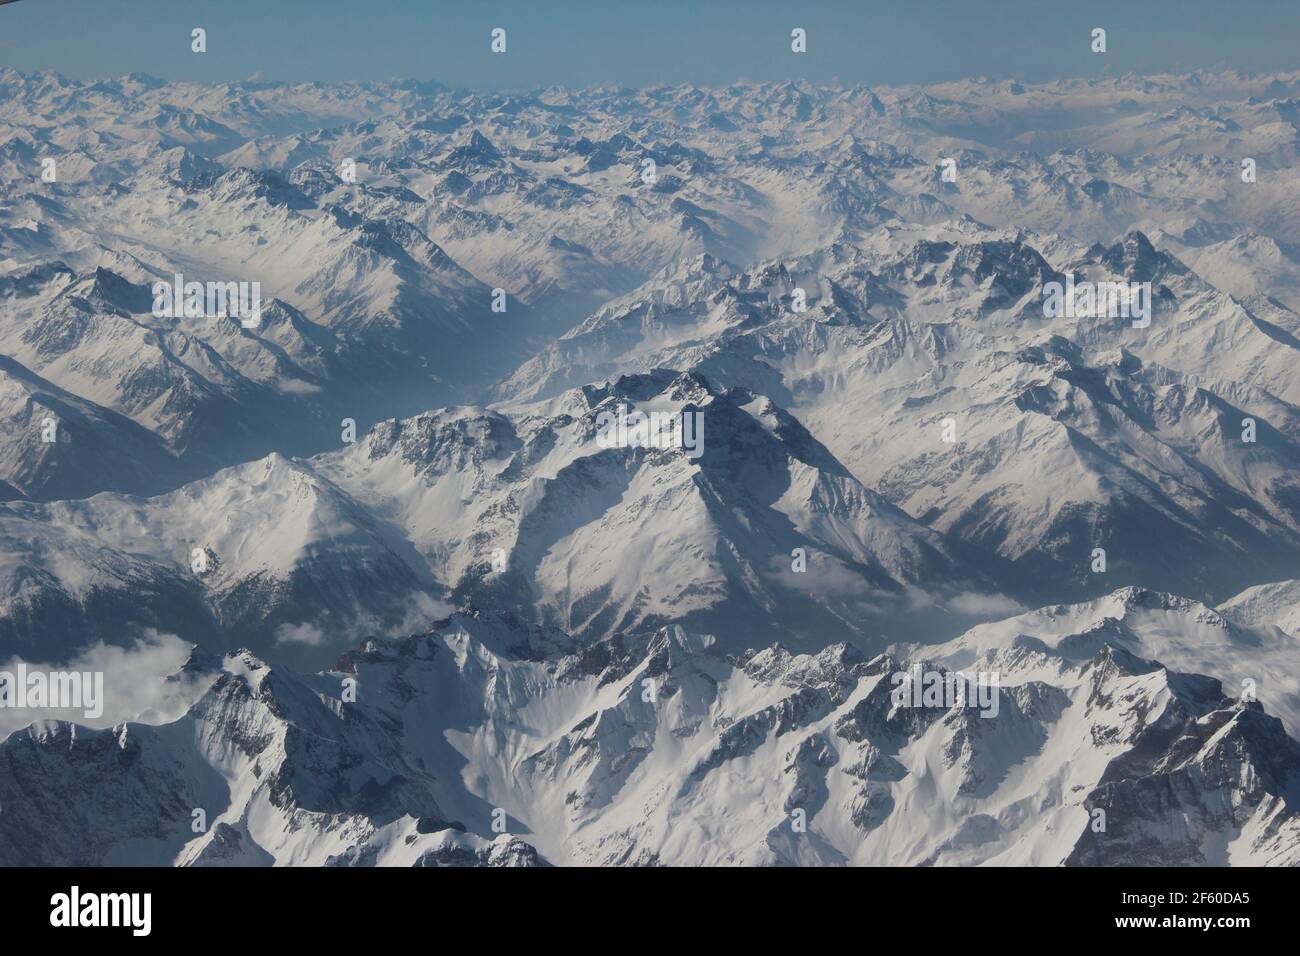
(640,42)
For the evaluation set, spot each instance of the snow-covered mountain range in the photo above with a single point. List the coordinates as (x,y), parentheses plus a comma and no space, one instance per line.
(428,594)
(483,742)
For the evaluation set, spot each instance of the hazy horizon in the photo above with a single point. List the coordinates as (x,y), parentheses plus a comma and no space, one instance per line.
(587,44)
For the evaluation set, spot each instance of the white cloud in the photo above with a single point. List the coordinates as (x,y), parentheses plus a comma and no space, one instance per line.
(136,684)
(984,605)
(305,633)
